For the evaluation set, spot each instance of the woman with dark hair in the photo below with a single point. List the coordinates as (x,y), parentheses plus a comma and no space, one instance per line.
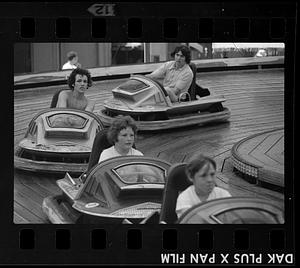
(201,170)
(177,74)
(79,81)
(121,134)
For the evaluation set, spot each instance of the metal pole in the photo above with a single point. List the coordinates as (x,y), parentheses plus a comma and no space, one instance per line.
(145,52)
(59,57)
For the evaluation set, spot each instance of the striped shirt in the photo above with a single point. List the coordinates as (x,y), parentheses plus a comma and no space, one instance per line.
(179,78)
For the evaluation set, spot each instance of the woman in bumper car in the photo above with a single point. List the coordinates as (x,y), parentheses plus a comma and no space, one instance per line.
(201,170)
(79,81)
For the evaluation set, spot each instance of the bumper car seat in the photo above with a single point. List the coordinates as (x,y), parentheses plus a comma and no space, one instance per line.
(55,98)
(177,181)
(195,89)
(100,143)
(192,87)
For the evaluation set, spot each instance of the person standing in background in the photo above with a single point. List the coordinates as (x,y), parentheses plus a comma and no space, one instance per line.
(72,62)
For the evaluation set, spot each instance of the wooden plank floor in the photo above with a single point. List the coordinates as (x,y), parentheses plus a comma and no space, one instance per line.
(266,152)
(256,101)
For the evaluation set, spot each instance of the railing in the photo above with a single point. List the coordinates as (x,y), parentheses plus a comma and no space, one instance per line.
(122,71)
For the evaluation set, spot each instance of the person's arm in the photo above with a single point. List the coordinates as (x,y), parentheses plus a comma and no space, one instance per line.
(220,192)
(90,106)
(62,99)
(158,73)
(137,152)
(183,83)
(226,193)
(171,93)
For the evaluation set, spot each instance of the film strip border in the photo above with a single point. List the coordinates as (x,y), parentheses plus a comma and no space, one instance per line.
(171,29)
(263,21)
(173,245)
(99,239)
(216,21)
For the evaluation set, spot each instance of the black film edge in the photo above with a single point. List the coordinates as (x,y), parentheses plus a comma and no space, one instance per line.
(41,242)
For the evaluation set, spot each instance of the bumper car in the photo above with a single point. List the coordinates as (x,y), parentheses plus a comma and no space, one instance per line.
(148,103)
(58,140)
(125,188)
(233,210)
(229,210)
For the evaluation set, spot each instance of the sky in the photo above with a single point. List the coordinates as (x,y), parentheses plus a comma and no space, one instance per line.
(228,45)
(243,45)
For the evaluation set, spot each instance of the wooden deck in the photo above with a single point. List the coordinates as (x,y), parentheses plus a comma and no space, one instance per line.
(256,101)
